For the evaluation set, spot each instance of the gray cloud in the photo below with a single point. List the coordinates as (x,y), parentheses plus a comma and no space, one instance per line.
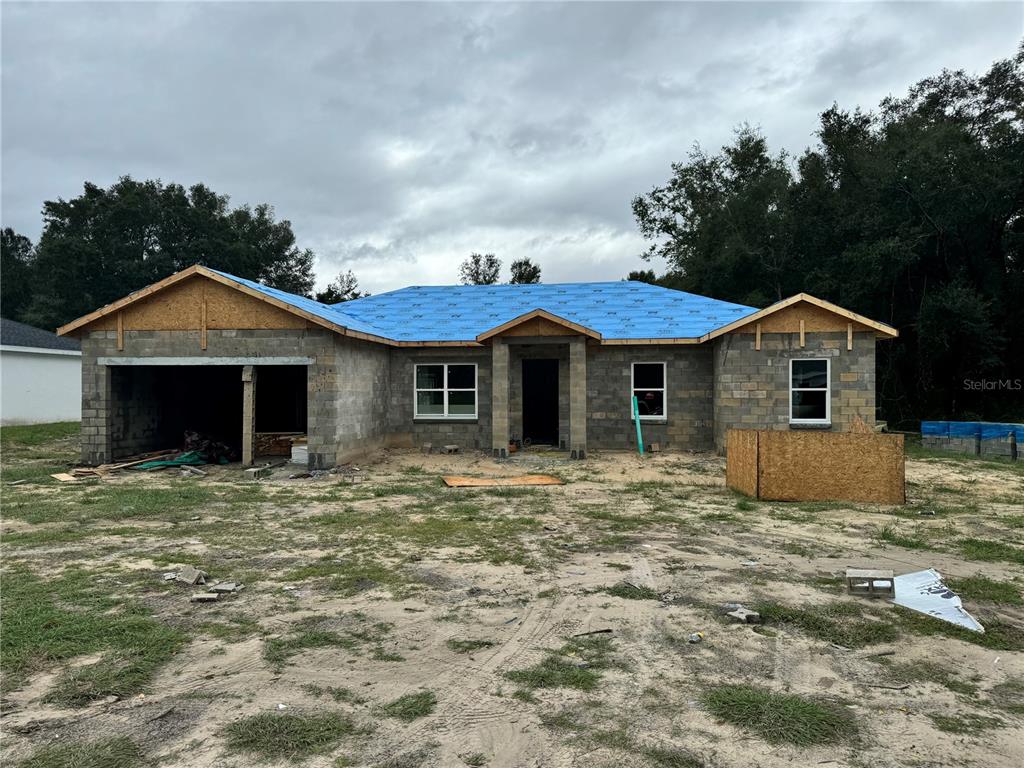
(399,137)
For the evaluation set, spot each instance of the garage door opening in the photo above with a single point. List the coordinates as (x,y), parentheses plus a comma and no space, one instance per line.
(152,407)
(158,407)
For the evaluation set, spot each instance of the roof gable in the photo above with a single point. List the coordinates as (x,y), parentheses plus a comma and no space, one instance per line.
(802,312)
(538,323)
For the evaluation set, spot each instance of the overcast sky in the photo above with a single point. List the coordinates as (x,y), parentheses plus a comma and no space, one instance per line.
(397,138)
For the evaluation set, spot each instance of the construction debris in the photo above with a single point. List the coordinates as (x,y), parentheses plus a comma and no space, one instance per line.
(205,597)
(226,587)
(459,481)
(449,449)
(191,576)
(925,592)
(744,616)
(190,471)
(255,473)
(868,582)
(427,448)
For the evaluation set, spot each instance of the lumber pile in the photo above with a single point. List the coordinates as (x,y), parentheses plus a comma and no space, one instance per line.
(85,473)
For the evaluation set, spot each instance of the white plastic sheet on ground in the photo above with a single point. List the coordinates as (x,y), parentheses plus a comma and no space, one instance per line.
(924,592)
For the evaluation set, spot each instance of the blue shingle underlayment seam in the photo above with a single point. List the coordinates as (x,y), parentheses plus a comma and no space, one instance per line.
(619,310)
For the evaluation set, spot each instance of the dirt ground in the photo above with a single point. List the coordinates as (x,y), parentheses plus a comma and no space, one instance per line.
(357,593)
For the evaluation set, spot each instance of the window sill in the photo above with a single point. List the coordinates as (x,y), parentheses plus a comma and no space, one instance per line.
(810,425)
(654,420)
(445,419)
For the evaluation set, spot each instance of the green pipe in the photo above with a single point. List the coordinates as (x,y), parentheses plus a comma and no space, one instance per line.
(636,418)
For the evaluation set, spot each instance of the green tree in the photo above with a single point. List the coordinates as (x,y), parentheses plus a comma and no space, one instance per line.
(480,269)
(525,272)
(912,214)
(16,261)
(105,243)
(344,287)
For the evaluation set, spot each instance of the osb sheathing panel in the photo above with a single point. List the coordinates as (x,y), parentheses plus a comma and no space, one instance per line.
(539,326)
(830,466)
(178,307)
(788,320)
(741,460)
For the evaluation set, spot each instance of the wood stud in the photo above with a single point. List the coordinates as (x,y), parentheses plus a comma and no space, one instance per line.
(757,337)
(120,331)
(849,336)
(803,339)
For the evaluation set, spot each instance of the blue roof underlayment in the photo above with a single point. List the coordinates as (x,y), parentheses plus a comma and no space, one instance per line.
(619,310)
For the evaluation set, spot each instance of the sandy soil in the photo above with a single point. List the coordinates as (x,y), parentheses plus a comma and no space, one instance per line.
(685,537)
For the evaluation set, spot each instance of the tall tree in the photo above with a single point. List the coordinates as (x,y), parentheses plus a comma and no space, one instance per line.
(480,269)
(344,287)
(99,246)
(525,272)
(16,261)
(912,214)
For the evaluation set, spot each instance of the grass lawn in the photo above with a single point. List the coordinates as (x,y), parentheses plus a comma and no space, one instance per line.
(397,622)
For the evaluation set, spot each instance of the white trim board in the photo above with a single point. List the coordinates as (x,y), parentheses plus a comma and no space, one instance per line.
(205,360)
(40,350)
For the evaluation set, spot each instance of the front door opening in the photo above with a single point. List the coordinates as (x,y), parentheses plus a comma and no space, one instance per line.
(540,401)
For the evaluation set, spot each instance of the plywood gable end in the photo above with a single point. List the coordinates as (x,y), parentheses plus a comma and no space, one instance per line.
(816,320)
(179,307)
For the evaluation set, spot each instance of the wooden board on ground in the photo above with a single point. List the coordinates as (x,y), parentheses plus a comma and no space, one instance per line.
(458,481)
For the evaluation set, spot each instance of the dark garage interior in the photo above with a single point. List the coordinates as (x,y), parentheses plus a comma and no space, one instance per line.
(152,407)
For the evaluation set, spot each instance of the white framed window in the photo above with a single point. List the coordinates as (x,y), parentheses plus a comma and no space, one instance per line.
(444,391)
(810,385)
(648,386)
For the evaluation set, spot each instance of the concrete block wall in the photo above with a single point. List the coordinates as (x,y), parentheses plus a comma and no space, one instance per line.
(350,398)
(751,387)
(468,434)
(103,408)
(688,424)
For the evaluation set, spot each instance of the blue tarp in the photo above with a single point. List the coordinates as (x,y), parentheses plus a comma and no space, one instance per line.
(986,430)
(620,310)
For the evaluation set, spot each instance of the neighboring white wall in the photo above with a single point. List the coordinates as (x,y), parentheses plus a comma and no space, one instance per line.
(40,385)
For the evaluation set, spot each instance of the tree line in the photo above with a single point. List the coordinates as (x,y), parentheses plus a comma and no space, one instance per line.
(912,214)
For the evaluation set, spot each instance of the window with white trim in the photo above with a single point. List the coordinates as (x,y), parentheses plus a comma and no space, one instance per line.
(809,400)
(648,387)
(445,391)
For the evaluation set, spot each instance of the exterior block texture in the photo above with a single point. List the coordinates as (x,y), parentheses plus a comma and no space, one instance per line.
(751,387)
(360,394)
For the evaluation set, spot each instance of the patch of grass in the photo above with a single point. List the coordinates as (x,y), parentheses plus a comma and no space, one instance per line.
(890,534)
(275,736)
(632,592)
(86,502)
(475,760)
(278,651)
(929,671)
(980,587)
(964,723)
(467,646)
(234,628)
(350,576)
(796,548)
(411,707)
(745,505)
(556,672)
(1008,696)
(780,718)
(339,694)
(720,517)
(119,752)
(577,664)
(998,635)
(618,566)
(30,435)
(988,550)
(74,615)
(839,623)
